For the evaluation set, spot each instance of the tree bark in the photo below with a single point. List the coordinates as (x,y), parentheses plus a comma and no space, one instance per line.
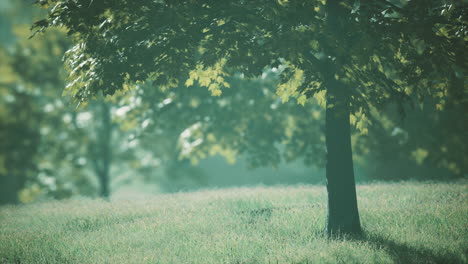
(100,152)
(9,187)
(343,215)
(105,138)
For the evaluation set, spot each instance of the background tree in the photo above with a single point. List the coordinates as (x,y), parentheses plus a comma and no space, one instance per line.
(247,121)
(19,139)
(426,144)
(45,145)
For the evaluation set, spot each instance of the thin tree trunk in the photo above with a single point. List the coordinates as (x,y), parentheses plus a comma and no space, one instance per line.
(343,216)
(8,189)
(100,150)
(105,140)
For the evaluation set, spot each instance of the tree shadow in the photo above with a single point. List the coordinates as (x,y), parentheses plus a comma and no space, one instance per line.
(402,253)
(265,213)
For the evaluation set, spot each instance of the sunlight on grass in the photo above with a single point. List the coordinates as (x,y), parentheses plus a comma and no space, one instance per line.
(404,223)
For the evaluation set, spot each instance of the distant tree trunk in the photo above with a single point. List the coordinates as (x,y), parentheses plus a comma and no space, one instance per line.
(8,189)
(105,137)
(101,153)
(343,216)
(18,148)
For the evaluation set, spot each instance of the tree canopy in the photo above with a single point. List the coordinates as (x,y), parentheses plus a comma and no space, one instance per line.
(380,50)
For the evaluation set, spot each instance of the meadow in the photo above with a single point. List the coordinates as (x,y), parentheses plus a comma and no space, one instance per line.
(404,222)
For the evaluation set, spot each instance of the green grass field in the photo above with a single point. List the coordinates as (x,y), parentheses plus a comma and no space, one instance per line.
(403,222)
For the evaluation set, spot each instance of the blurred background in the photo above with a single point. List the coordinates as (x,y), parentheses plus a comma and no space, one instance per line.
(154,140)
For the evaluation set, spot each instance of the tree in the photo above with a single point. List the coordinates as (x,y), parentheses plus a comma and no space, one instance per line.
(248,121)
(39,145)
(46,146)
(19,142)
(427,144)
(363,54)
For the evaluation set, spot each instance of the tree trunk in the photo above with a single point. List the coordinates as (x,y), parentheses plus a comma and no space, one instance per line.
(105,136)
(343,216)
(100,151)
(8,189)
(104,184)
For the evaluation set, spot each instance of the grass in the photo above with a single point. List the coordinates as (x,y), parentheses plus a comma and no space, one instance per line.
(403,222)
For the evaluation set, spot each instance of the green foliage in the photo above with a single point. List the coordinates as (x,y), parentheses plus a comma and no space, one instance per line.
(405,223)
(247,120)
(395,49)
(23,105)
(68,152)
(376,53)
(428,143)
(46,143)
(159,59)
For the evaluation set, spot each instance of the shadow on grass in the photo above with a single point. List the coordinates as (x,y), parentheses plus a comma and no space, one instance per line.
(402,253)
(265,213)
